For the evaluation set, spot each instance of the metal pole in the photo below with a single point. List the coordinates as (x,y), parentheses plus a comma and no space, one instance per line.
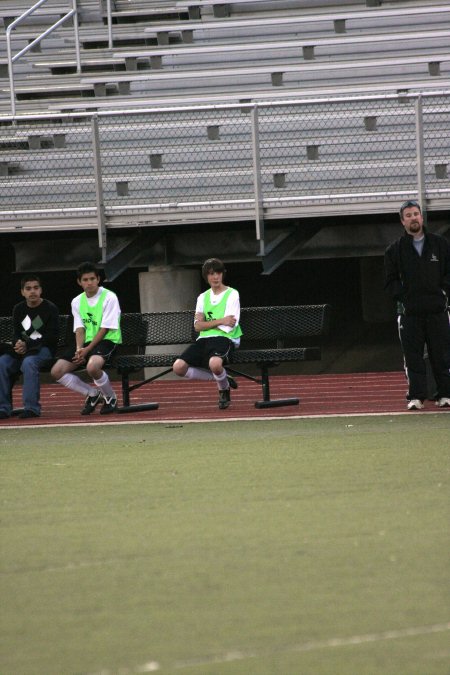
(12,94)
(109,15)
(77,39)
(101,225)
(259,216)
(421,187)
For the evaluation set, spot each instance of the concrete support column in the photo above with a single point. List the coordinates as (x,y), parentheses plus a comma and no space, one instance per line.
(168,289)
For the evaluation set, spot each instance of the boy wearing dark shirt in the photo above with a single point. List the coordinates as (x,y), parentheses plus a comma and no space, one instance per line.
(35,336)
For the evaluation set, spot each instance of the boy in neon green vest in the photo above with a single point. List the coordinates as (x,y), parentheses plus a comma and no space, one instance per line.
(217,321)
(96,324)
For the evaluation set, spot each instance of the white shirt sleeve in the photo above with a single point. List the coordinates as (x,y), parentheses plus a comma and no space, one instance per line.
(77,321)
(111,311)
(233,307)
(200,306)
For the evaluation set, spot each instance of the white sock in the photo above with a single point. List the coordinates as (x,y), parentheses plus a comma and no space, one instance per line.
(222,381)
(105,386)
(73,382)
(198,374)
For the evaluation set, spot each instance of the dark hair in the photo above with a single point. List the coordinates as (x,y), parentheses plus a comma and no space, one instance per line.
(212,265)
(29,277)
(87,267)
(409,202)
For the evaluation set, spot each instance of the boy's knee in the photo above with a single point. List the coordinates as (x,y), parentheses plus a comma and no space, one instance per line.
(58,370)
(180,367)
(29,366)
(216,365)
(94,368)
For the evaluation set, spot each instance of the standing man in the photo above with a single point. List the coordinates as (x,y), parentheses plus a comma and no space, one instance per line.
(417,268)
(217,322)
(35,337)
(96,324)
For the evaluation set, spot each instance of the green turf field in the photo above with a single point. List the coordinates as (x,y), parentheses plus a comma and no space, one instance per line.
(291,547)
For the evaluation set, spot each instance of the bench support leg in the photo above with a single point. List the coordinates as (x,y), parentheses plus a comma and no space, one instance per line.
(137,407)
(267,402)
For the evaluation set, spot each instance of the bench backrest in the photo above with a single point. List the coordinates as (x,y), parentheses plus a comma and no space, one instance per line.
(258,324)
(162,328)
(158,328)
(290,321)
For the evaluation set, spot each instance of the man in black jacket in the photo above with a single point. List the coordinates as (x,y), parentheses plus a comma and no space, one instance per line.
(35,336)
(417,268)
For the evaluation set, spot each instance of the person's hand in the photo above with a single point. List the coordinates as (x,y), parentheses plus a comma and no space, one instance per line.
(80,356)
(20,347)
(229,320)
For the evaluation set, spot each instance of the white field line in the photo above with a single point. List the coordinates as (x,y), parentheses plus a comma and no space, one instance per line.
(180,422)
(314,645)
(321,644)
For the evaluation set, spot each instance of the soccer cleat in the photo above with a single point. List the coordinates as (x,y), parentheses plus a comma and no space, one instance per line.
(232,382)
(224,398)
(3,415)
(27,414)
(415,404)
(91,403)
(443,402)
(109,406)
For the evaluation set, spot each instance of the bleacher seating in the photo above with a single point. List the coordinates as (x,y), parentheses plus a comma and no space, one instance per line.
(175,54)
(188,51)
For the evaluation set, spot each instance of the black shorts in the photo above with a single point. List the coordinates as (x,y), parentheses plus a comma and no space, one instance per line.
(105,349)
(199,353)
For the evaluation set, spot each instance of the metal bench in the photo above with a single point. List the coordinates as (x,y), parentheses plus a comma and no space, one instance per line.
(271,336)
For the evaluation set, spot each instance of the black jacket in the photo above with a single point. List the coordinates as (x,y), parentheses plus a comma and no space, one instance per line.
(420,284)
(37,326)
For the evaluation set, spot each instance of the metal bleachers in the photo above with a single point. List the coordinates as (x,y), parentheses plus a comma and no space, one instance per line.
(202,113)
(304,53)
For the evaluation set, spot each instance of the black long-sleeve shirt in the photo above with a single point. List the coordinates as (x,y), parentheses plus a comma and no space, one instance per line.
(419,283)
(37,326)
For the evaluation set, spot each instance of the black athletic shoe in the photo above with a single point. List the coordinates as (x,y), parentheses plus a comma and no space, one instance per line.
(26,414)
(232,382)
(109,406)
(3,415)
(91,403)
(224,398)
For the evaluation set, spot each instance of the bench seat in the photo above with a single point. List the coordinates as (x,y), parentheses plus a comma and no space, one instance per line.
(134,364)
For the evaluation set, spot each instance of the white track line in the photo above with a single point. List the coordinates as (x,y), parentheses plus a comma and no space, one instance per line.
(180,422)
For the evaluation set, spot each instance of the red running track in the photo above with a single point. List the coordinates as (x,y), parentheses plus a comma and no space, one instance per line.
(180,400)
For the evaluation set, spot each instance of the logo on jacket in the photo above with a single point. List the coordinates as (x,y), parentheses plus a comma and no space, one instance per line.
(434,258)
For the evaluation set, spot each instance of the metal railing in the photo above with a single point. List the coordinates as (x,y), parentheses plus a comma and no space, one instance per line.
(290,159)
(12,59)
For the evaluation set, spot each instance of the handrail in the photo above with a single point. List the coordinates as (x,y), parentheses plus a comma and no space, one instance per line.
(130,111)
(12,59)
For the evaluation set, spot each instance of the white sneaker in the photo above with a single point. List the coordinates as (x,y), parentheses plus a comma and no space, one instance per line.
(415,404)
(443,403)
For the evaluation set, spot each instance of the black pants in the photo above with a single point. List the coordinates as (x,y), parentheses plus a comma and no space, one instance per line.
(432,331)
